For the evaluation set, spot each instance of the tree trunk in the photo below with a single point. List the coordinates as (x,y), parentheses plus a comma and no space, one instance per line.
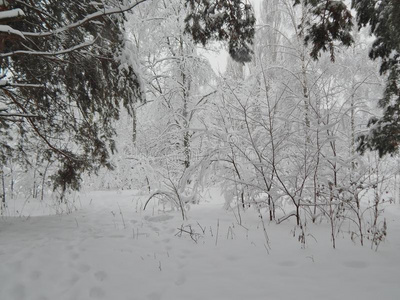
(3,194)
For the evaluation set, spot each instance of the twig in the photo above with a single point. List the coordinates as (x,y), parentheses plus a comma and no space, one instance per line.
(193,235)
(216,237)
(122,216)
(202,229)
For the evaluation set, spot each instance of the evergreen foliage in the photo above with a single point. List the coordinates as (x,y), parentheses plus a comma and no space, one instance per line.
(384,20)
(223,20)
(331,22)
(71,85)
(65,75)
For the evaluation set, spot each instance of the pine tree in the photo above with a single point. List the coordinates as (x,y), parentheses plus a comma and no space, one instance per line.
(63,79)
(223,20)
(384,20)
(332,23)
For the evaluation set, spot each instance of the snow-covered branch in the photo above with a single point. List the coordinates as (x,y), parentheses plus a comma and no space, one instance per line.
(11,31)
(44,53)
(7,115)
(6,83)
(11,14)
(90,17)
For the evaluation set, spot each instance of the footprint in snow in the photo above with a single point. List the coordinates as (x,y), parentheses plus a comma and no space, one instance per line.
(287,263)
(96,292)
(180,280)
(100,275)
(172,230)
(74,255)
(15,266)
(180,265)
(18,292)
(83,268)
(154,228)
(232,258)
(35,275)
(28,255)
(74,279)
(160,218)
(154,296)
(116,236)
(355,264)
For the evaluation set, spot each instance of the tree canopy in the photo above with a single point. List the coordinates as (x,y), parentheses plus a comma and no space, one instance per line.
(384,20)
(63,78)
(66,71)
(223,20)
(332,22)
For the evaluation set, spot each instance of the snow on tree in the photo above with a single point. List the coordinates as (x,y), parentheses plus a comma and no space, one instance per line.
(65,69)
(384,20)
(332,23)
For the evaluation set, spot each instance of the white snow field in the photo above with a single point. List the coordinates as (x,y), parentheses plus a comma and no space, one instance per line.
(110,249)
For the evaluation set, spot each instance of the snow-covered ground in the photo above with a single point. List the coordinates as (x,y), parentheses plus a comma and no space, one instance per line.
(110,249)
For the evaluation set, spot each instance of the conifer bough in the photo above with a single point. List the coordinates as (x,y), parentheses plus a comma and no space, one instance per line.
(64,76)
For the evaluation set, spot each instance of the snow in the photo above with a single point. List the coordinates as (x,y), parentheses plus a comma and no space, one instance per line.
(393,54)
(3,82)
(111,249)
(10,30)
(3,106)
(100,13)
(13,13)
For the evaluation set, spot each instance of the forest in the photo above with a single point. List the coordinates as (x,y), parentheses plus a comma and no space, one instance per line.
(199,140)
